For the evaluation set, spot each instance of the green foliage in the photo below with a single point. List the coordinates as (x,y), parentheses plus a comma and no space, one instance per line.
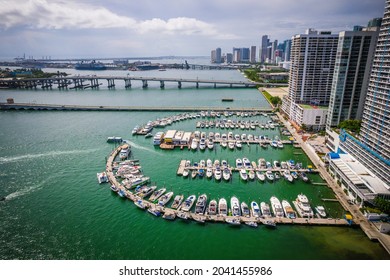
(382,204)
(252,74)
(275,100)
(351,125)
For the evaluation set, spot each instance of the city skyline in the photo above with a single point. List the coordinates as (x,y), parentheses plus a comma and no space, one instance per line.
(151,28)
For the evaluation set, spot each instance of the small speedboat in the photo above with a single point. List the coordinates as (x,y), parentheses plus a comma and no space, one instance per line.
(269,224)
(217,174)
(156,194)
(321,211)
(260,176)
(140,204)
(114,188)
(243,174)
(154,212)
(165,198)
(187,204)
(226,174)
(255,209)
(251,174)
(212,207)
(222,207)
(251,224)
(233,221)
(177,201)
(245,210)
(102,177)
(209,173)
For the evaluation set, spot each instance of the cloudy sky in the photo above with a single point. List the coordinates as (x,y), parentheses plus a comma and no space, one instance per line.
(131,28)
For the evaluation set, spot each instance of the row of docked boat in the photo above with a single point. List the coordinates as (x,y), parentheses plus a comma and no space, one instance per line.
(236,124)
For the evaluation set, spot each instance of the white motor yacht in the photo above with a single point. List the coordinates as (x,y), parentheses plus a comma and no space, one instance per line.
(243,174)
(288,210)
(276,207)
(235,206)
(255,210)
(222,207)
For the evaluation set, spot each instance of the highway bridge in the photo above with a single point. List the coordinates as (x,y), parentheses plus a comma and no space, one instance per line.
(94,81)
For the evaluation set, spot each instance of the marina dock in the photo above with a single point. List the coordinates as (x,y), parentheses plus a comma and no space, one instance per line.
(212,218)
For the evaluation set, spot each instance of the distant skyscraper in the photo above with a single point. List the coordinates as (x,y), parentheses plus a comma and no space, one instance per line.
(253,54)
(245,54)
(287,50)
(229,58)
(236,55)
(274,46)
(218,55)
(264,48)
(213,56)
(375,22)
(351,74)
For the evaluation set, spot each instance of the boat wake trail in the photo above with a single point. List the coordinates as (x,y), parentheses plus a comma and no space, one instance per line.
(27,190)
(49,154)
(136,146)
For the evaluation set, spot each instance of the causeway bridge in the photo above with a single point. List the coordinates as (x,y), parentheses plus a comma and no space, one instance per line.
(94,81)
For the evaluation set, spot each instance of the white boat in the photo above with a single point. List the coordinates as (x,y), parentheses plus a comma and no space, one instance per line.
(186,172)
(251,174)
(251,224)
(102,177)
(210,144)
(201,204)
(177,201)
(187,204)
(245,209)
(146,191)
(261,163)
(231,145)
(260,176)
(212,207)
(276,207)
(287,175)
(294,174)
(270,175)
(303,206)
(169,216)
(165,198)
(154,212)
(304,177)
(233,221)
(202,144)
(239,163)
(156,194)
(114,188)
(246,162)
(276,164)
(243,174)
(217,174)
(183,215)
(194,144)
(226,174)
(235,206)
(224,163)
(209,163)
(223,144)
(202,163)
(194,173)
(238,144)
(124,153)
(280,144)
(255,210)
(321,211)
(283,165)
(222,207)
(157,138)
(269,223)
(140,204)
(288,210)
(209,173)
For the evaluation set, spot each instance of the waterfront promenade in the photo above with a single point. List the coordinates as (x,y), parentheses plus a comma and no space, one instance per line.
(369,229)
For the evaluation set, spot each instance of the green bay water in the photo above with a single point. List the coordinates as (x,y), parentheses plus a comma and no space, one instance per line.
(55,209)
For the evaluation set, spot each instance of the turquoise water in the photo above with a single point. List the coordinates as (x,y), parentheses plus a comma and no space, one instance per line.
(55,209)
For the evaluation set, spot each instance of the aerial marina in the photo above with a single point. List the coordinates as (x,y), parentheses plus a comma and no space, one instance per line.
(125,177)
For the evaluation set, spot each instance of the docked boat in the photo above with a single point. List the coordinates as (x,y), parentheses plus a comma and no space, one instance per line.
(222,207)
(262,163)
(269,224)
(260,176)
(238,144)
(276,207)
(194,144)
(320,211)
(169,216)
(102,177)
(121,193)
(132,183)
(234,221)
(209,173)
(304,177)
(140,204)
(187,204)
(288,210)
(194,173)
(165,198)
(124,153)
(154,212)
(186,172)
(226,174)
(183,215)
(217,174)
(156,194)
(146,191)
(210,144)
(245,209)
(255,210)
(212,207)
(270,175)
(177,201)
(294,174)
(239,163)
(251,174)
(149,135)
(201,204)
(223,144)
(303,206)
(202,144)
(246,162)
(283,165)
(114,188)
(158,138)
(243,175)
(231,145)
(135,130)
(288,176)
(251,224)
(235,206)
(276,164)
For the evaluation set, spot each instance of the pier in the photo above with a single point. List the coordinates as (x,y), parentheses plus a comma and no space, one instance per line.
(94,81)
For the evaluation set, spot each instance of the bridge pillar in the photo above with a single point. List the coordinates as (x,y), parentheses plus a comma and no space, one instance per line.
(127,83)
(111,83)
(197,84)
(162,84)
(144,83)
(179,84)
(215,85)
(231,85)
